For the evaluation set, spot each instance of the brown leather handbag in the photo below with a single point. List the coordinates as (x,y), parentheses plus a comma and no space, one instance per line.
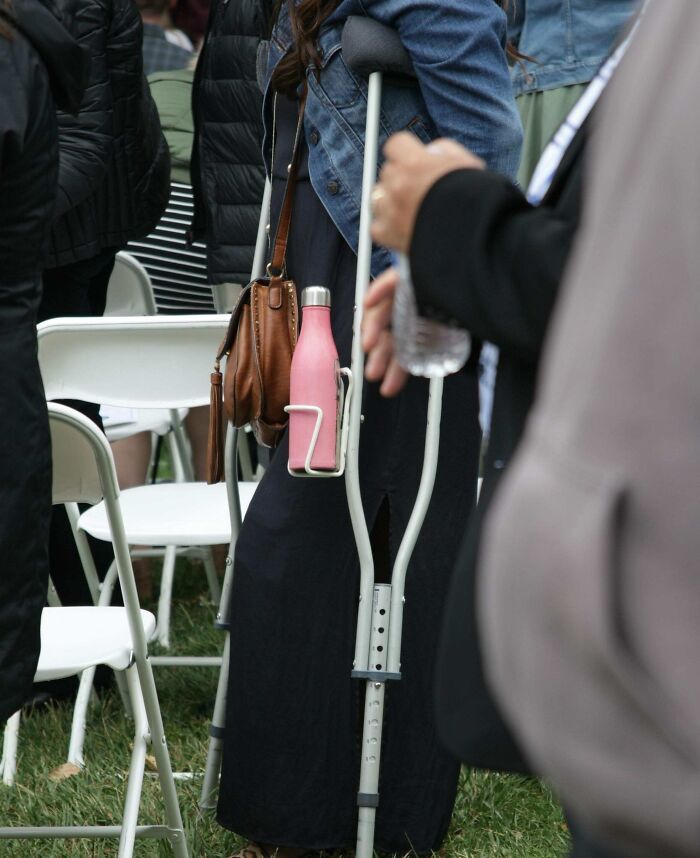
(258,346)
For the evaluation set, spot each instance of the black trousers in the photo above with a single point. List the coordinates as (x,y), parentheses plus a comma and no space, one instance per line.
(78,289)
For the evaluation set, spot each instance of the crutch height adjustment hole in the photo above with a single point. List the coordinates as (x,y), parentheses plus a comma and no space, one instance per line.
(382,611)
(381,630)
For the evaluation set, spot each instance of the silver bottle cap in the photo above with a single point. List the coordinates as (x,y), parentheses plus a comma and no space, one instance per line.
(316,296)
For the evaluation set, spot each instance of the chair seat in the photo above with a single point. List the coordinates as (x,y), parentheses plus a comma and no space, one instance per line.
(122,423)
(75,638)
(171,514)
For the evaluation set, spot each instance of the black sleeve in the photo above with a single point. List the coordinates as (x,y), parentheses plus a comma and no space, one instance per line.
(484,258)
(85,141)
(13,108)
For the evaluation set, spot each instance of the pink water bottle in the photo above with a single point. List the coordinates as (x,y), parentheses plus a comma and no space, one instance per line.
(314,381)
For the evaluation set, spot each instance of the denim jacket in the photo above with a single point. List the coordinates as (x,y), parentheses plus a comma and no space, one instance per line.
(568,39)
(464,93)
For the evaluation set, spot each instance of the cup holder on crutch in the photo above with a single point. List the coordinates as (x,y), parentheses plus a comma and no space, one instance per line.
(342,429)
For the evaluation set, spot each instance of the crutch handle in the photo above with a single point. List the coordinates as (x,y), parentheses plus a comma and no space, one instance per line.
(370,47)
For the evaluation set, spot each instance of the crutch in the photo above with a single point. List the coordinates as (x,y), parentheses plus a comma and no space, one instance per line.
(212,767)
(372,50)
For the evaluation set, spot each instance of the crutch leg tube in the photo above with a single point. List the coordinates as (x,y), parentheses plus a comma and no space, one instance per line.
(380,612)
(212,768)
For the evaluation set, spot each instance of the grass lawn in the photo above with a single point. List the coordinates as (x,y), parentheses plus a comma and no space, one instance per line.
(496,816)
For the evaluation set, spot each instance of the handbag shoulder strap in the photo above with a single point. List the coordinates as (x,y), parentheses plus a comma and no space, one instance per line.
(279,248)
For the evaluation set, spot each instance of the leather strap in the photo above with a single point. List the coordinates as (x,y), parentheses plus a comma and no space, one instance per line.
(279,251)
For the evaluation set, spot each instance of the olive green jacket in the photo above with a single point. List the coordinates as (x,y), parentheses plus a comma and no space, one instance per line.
(172,93)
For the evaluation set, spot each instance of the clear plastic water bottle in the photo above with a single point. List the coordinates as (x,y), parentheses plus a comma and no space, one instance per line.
(423,346)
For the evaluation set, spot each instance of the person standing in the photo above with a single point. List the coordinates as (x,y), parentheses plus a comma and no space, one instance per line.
(590,596)
(562,45)
(291,751)
(228,175)
(41,66)
(161,53)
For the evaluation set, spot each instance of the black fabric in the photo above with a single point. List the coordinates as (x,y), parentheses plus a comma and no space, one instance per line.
(28,145)
(28,175)
(67,63)
(227,169)
(114,175)
(483,257)
(292,749)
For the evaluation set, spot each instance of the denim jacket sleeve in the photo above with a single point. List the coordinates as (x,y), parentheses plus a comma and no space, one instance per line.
(457,48)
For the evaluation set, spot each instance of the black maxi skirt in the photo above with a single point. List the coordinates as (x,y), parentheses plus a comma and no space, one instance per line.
(291,753)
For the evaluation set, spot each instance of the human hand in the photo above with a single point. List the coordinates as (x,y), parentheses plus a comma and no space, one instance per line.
(410,170)
(377,339)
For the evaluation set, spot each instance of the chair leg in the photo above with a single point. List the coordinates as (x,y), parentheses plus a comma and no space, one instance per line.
(106,591)
(147,687)
(77,733)
(8,765)
(134,787)
(212,767)
(212,577)
(165,598)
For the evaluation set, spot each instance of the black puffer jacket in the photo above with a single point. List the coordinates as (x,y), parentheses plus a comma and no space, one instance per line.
(115,167)
(40,58)
(227,168)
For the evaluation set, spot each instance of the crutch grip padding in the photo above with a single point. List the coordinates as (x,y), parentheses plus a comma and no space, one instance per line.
(370,47)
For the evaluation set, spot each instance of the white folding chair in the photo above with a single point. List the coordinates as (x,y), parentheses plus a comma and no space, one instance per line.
(76,639)
(130,293)
(157,362)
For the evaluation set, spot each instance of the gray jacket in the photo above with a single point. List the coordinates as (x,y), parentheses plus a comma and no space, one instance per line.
(590,578)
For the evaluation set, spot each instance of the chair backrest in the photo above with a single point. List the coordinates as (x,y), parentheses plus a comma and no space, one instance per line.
(130,292)
(136,362)
(83,471)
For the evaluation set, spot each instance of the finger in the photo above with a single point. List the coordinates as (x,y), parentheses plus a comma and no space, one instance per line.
(382,287)
(376,320)
(380,357)
(381,231)
(402,145)
(395,379)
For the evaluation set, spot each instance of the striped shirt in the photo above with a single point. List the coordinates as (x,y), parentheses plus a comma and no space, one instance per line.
(178,270)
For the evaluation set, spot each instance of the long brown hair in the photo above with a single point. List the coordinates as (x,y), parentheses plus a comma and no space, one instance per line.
(306,18)
(6,19)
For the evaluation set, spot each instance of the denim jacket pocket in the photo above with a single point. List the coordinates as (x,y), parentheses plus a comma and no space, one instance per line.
(339,85)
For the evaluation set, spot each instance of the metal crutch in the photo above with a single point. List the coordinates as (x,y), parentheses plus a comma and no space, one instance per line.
(218,722)
(372,50)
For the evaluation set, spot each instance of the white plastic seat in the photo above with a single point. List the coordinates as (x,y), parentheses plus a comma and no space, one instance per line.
(121,423)
(73,639)
(171,514)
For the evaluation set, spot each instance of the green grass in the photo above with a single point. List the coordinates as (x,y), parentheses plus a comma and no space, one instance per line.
(495,816)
